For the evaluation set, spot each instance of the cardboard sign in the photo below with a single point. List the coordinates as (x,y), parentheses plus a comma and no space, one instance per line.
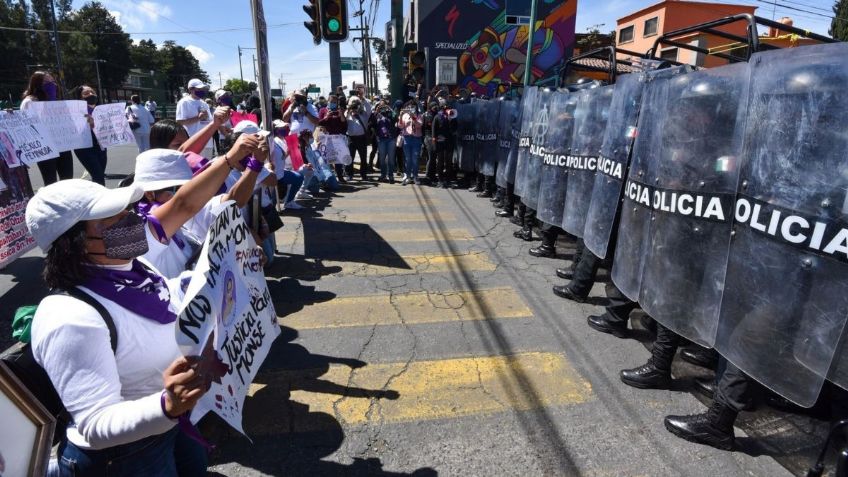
(334,149)
(228,317)
(15,192)
(111,126)
(65,122)
(24,141)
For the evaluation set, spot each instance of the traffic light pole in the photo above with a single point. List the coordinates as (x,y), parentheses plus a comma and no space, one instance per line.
(335,67)
(531,31)
(396,74)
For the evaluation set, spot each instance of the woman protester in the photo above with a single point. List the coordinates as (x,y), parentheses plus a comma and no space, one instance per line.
(411,126)
(92,158)
(42,87)
(386,133)
(289,181)
(125,409)
(140,121)
(334,123)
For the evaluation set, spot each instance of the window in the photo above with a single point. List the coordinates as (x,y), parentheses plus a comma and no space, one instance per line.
(669,54)
(651,25)
(625,35)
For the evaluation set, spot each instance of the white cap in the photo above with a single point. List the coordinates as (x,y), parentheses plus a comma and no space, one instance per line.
(279,124)
(220,93)
(247,127)
(196,83)
(157,169)
(56,208)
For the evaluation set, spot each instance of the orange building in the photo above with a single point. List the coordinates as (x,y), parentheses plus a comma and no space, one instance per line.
(637,31)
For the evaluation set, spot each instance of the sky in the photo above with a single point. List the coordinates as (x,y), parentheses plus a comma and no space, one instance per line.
(220,26)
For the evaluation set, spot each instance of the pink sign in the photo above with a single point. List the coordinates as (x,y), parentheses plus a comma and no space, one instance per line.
(237,117)
(294,151)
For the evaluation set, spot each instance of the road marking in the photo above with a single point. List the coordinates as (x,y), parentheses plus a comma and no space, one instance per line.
(377,217)
(414,264)
(420,390)
(415,308)
(355,200)
(393,236)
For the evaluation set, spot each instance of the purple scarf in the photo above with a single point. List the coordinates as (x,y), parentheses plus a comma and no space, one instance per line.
(146,209)
(139,290)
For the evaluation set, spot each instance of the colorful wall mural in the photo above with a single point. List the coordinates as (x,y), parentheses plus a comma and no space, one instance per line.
(490,52)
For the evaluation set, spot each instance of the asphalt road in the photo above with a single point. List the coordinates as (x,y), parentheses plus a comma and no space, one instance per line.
(420,338)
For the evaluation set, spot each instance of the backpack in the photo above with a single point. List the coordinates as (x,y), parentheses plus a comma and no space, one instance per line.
(20,360)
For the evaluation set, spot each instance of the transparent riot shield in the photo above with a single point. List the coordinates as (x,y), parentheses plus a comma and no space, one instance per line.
(785,305)
(554,170)
(528,106)
(507,112)
(487,137)
(466,132)
(635,218)
(694,187)
(541,118)
(613,163)
(591,115)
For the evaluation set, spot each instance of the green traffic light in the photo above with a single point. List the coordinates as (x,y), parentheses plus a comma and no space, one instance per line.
(333,25)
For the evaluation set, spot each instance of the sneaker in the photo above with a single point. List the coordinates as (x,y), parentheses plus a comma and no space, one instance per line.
(293,205)
(405,181)
(405,177)
(417,182)
(304,195)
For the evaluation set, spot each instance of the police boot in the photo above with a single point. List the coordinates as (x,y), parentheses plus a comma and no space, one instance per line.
(656,373)
(478,185)
(486,194)
(713,428)
(565,273)
(700,356)
(705,386)
(606,324)
(565,291)
(524,233)
(499,195)
(548,247)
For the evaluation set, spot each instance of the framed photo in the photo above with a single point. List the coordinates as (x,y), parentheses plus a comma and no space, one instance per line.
(26,435)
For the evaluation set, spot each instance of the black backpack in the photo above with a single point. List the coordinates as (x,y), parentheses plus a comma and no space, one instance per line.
(20,360)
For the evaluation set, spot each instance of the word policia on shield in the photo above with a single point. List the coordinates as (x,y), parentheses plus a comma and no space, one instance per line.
(228,318)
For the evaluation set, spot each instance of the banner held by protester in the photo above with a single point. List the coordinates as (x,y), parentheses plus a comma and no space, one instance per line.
(111,126)
(228,317)
(25,142)
(65,122)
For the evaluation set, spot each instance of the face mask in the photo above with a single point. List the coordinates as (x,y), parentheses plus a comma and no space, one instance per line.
(332,106)
(91,100)
(200,93)
(226,101)
(50,91)
(283,132)
(125,239)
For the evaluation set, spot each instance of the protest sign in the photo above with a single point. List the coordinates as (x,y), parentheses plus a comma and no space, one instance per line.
(15,192)
(24,140)
(111,126)
(65,122)
(227,318)
(295,155)
(238,116)
(334,149)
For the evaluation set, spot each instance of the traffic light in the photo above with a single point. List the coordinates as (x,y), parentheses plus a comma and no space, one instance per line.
(418,65)
(334,27)
(314,26)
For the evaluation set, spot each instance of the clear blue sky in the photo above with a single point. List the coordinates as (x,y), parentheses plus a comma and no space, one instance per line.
(291,51)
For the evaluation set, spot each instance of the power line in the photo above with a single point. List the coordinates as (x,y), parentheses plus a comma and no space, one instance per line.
(787,7)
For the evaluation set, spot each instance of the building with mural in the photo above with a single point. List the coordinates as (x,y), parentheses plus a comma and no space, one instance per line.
(490,52)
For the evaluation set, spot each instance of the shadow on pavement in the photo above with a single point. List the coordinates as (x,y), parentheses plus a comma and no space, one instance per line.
(297,266)
(350,242)
(287,438)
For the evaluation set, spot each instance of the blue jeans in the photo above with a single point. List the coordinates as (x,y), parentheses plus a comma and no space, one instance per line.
(411,153)
(292,179)
(94,160)
(172,454)
(386,156)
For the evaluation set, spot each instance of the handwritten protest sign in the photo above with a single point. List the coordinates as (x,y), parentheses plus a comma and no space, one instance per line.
(65,122)
(238,116)
(111,126)
(26,139)
(228,318)
(15,192)
(334,149)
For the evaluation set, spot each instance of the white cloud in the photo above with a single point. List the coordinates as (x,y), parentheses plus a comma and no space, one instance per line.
(137,16)
(202,55)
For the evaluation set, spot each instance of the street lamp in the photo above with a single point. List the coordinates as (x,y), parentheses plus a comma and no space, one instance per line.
(97,69)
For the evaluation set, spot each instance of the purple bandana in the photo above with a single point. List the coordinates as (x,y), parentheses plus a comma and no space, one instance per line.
(146,209)
(139,290)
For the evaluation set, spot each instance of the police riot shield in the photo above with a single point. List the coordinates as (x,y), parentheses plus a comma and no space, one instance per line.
(785,305)
(466,140)
(507,112)
(487,137)
(635,219)
(528,106)
(555,145)
(541,117)
(613,162)
(692,194)
(590,122)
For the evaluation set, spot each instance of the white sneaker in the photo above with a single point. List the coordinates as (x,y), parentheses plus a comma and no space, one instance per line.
(404,178)
(293,205)
(304,195)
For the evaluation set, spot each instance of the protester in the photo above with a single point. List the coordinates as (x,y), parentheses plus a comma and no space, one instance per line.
(140,121)
(357,137)
(193,113)
(301,115)
(42,87)
(151,105)
(92,158)
(411,125)
(334,122)
(289,181)
(386,132)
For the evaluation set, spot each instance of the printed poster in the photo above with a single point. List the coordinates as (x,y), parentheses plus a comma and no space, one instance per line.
(111,126)
(22,139)
(15,192)
(228,317)
(65,122)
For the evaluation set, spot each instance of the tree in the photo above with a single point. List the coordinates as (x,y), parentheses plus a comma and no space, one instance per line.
(382,54)
(109,41)
(77,51)
(179,65)
(839,24)
(145,56)
(238,86)
(15,49)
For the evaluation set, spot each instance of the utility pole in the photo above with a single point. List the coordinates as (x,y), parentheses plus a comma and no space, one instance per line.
(255,78)
(59,71)
(335,66)
(531,30)
(396,74)
(97,69)
(220,81)
(241,72)
(263,80)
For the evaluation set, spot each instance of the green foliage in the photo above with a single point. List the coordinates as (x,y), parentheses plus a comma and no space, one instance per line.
(179,65)
(382,54)
(839,24)
(238,86)
(109,41)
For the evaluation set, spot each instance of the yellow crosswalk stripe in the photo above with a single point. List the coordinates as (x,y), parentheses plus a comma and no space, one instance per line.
(395,236)
(415,308)
(420,390)
(376,217)
(414,264)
